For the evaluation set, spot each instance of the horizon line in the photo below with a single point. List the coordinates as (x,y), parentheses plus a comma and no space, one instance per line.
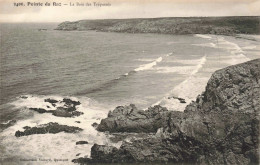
(139,18)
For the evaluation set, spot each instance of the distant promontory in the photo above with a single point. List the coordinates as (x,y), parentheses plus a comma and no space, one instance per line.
(170,25)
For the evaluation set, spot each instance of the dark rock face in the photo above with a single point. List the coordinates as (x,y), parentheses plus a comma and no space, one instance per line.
(95,125)
(52,101)
(65,112)
(234,88)
(220,127)
(99,152)
(40,110)
(24,97)
(181,100)
(52,128)
(70,102)
(130,119)
(103,152)
(81,142)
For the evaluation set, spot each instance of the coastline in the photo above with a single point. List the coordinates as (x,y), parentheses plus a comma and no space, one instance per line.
(217,123)
(170,25)
(225,115)
(70,110)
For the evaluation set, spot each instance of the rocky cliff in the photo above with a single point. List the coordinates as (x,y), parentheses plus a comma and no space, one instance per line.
(130,119)
(220,127)
(172,25)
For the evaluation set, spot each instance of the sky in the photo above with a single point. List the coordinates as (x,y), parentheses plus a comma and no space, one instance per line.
(124,9)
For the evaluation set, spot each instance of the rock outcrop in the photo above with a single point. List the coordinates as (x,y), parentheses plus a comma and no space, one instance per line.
(81,142)
(51,127)
(234,88)
(181,100)
(68,110)
(220,127)
(130,119)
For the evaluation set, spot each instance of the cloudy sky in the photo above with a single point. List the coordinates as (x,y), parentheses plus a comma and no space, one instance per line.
(124,9)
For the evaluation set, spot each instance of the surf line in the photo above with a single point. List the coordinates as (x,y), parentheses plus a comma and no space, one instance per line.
(184,87)
(147,66)
(113,82)
(152,64)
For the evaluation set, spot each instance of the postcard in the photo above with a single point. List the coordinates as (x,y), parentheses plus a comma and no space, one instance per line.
(129,82)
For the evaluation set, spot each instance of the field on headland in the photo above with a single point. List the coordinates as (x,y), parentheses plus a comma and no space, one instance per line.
(171,25)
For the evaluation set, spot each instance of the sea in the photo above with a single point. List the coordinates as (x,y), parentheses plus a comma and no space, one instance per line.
(101,70)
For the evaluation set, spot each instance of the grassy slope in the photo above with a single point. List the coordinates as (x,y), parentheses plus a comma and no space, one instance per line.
(172,25)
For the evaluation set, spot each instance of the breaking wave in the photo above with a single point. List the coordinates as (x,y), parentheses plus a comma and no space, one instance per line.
(149,65)
(237,55)
(212,45)
(188,89)
(113,82)
(203,36)
(55,146)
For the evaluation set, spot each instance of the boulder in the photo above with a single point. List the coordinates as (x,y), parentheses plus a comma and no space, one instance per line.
(99,152)
(40,110)
(63,112)
(51,127)
(68,110)
(181,100)
(95,125)
(52,101)
(70,102)
(49,100)
(81,142)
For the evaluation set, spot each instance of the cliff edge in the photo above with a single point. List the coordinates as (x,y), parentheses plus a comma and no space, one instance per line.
(220,127)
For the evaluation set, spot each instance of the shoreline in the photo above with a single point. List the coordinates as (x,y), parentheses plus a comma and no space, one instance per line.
(71,111)
(161,123)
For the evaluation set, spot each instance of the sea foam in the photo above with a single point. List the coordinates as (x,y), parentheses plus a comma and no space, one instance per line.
(54,146)
(188,89)
(203,36)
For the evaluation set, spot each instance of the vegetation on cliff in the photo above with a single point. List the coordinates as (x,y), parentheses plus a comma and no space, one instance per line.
(171,25)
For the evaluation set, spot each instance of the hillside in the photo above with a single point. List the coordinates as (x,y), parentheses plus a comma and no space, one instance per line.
(172,25)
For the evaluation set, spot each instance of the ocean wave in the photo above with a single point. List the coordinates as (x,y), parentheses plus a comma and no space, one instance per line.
(185,70)
(149,65)
(212,45)
(169,54)
(188,89)
(101,87)
(113,82)
(146,59)
(200,65)
(237,55)
(250,47)
(203,36)
(195,84)
(52,145)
